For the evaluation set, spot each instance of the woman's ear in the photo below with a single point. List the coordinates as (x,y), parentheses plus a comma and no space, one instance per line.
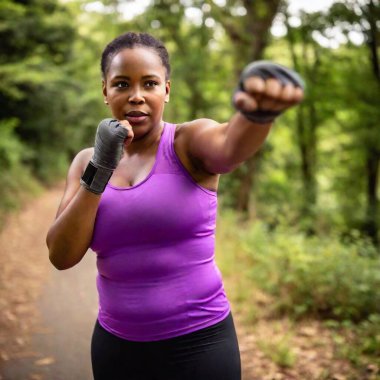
(167,91)
(104,90)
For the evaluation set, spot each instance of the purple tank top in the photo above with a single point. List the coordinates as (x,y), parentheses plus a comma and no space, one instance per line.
(155,243)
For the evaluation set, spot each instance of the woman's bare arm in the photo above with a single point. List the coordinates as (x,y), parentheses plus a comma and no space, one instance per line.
(223,147)
(70,235)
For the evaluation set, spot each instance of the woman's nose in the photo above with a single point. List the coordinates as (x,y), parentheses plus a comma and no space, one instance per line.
(136,96)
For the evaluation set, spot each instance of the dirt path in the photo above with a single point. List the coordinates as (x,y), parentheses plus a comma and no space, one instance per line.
(47,316)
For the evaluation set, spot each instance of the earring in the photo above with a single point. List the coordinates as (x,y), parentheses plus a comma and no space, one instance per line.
(105,101)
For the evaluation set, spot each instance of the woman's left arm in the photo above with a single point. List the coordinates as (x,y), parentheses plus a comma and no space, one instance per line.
(223,147)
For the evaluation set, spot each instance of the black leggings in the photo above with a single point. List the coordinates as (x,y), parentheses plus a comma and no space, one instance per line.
(208,354)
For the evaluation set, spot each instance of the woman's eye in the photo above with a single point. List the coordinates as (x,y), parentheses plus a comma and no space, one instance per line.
(151,83)
(121,84)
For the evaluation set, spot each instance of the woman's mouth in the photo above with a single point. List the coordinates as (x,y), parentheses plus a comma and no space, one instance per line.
(136,117)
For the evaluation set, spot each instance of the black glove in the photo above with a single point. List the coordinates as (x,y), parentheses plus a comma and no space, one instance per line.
(108,149)
(266,70)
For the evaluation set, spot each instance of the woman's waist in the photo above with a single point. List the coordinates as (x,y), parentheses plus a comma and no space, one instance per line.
(155,310)
(157,262)
(158,296)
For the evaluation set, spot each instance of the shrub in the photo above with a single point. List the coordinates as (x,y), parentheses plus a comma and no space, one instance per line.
(16,180)
(318,276)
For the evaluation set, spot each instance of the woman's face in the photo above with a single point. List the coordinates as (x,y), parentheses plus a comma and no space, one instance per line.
(136,88)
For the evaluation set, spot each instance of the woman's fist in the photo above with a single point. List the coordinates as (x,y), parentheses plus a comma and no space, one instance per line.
(111,138)
(266,90)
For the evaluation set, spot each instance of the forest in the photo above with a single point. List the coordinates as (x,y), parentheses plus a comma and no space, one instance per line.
(300,220)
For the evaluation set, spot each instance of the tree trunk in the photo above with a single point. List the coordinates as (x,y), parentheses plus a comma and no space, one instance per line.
(306,127)
(371,225)
(372,35)
(250,42)
(373,153)
(246,178)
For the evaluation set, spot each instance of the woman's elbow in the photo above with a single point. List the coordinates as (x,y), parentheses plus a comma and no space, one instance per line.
(61,257)
(56,260)
(57,265)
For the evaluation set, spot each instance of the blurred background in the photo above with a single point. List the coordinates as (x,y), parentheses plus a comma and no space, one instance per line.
(299,222)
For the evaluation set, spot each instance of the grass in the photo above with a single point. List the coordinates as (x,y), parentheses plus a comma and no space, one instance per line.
(285,273)
(279,351)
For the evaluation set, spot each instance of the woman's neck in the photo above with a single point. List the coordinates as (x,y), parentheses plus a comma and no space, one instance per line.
(146,142)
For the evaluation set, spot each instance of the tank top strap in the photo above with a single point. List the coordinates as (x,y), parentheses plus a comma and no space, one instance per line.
(167,161)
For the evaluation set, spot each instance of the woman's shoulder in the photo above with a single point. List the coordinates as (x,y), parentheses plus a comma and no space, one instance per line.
(186,136)
(75,172)
(194,126)
(86,152)
(189,131)
(79,163)
(83,157)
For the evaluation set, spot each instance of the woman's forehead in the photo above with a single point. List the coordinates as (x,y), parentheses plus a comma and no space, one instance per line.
(138,59)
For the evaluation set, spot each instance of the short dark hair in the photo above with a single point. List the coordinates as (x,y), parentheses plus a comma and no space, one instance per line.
(128,41)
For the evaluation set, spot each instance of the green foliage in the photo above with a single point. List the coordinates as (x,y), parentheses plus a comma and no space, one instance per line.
(272,273)
(368,338)
(18,186)
(35,48)
(11,148)
(16,179)
(279,351)
(50,166)
(34,27)
(358,343)
(319,276)
(232,261)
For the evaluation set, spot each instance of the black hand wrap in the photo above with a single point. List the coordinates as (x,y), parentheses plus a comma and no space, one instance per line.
(108,149)
(266,70)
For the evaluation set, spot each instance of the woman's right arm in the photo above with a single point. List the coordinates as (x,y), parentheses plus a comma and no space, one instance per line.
(70,235)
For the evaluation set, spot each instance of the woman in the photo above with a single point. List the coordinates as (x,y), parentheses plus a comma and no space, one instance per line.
(144,199)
